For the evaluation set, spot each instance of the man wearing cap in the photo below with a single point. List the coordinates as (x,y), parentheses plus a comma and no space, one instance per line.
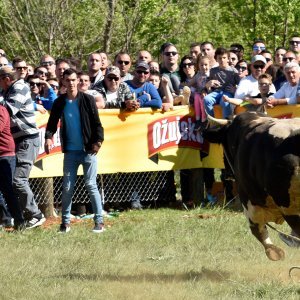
(145,93)
(248,86)
(17,100)
(113,91)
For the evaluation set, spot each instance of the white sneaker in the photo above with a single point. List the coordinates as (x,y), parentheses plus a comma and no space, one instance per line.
(35,222)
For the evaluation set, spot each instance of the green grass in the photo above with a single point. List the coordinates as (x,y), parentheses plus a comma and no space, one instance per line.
(150,254)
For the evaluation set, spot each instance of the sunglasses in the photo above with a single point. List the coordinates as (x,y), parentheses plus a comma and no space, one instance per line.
(268,59)
(123,62)
(3,65)
(32,84)
(188,65)
(259,48)
(288,58)
(171,52)
(21,68)
(263,84)
(54,86)
(294,42)
(2,54)
(48,63)
(240,68)
(142,72)
(42,73)
(258,66)
(113,78)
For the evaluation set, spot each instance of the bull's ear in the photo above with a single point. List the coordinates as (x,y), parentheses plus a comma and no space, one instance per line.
(214,135)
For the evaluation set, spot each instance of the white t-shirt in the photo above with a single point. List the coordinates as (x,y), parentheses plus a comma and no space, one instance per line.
(287,92)
(111,97)
(248,87)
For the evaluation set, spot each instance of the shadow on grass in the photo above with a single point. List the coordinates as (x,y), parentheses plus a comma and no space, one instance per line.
(205,274)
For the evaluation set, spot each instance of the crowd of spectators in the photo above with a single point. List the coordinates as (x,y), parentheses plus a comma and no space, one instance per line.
(204,77)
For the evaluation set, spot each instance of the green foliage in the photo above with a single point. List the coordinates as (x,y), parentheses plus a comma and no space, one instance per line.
(149,254)
(31,28)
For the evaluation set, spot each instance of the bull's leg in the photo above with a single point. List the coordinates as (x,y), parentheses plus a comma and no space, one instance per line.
(256,218)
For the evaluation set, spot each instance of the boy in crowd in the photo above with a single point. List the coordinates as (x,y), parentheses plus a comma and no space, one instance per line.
(258,102)
(222,81)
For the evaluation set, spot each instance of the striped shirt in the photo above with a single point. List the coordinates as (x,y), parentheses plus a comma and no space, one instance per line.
(19,104)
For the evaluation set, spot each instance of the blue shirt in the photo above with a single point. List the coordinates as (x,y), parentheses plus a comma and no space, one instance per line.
(144,100)
(74,139)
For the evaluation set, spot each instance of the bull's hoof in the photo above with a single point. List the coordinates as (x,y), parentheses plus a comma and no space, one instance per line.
(274,253)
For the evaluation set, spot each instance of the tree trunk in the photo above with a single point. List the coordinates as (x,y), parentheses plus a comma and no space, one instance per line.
(108,25)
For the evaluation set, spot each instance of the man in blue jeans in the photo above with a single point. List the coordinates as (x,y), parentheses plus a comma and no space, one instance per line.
(17,100)
(81,139)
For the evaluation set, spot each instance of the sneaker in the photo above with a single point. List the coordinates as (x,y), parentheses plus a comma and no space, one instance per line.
(35,222)
(98,228)
(64,228)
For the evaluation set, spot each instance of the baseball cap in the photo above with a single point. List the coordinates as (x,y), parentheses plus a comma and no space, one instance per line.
(113,71)
(6,70)
(142,64)
(258,57)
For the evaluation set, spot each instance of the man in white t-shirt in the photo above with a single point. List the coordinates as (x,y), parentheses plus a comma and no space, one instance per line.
(287,94)
(248,86)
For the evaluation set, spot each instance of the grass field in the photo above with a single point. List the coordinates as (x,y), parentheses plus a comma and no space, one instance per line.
(149,254)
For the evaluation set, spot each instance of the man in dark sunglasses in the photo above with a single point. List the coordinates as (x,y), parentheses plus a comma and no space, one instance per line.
(145,93)
(258,46)
(20,67)
(123,62)
(170,67)
(48,62)
(294,43)
(248,86)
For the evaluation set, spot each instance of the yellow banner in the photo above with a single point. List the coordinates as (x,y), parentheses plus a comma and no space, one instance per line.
(140,141)
(145,140)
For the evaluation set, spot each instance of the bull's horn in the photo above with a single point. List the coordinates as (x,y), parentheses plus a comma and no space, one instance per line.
(217,121)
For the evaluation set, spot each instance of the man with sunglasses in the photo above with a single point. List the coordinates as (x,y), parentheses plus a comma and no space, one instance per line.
(20,67)
(145,93)
(248,86)
(48,62)
(113,90)
(258,46)
(123,62)
(17,100)
(295,44)
(170,67)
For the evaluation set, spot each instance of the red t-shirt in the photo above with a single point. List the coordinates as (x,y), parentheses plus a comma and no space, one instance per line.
(7,144)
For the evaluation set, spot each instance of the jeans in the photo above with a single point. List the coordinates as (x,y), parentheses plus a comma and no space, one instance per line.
(26,152)
(214,98)
(72,160)
(7,167)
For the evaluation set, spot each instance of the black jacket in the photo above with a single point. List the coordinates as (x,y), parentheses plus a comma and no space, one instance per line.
(92,130)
